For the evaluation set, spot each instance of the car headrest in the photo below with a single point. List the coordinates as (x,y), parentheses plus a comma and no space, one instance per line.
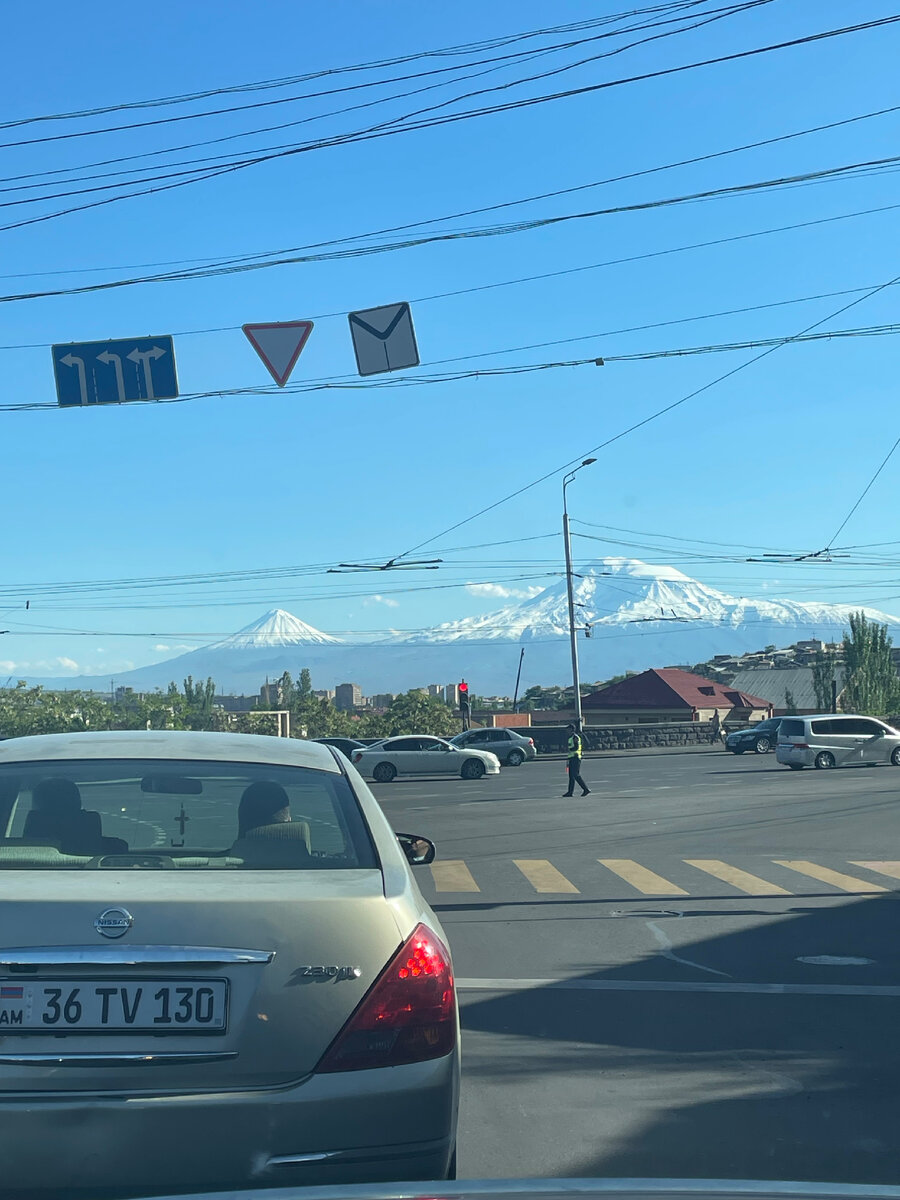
(263,803)
(57,796)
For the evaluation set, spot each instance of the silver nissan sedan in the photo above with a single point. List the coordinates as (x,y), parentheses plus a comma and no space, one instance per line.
(216,970)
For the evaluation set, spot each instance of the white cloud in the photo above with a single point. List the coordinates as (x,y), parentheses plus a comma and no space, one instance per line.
(7,665)
(498,591)
(68,663)
(160,647)
(385,600)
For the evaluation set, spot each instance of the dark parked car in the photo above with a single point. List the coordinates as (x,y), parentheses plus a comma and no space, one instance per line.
(511,748)
(759,738)
(345,745)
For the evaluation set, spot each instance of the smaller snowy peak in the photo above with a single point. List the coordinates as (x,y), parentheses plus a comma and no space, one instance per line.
(275,628)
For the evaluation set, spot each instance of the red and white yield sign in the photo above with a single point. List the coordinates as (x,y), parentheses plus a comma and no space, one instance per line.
(279,345)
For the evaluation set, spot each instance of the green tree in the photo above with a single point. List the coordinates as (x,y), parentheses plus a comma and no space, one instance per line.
(871,683)
(416,712)
(304,688)
(286,690)
(193,708)
(790,704)
(28,710)
(823,674)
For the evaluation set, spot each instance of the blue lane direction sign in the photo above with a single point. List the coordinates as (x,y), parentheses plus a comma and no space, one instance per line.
(115,372)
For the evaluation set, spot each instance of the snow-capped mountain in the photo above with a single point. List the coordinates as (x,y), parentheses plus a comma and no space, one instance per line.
(275,628)
(616,593)
(639,615)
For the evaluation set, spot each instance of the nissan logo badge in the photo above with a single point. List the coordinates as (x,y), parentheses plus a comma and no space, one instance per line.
(113,922)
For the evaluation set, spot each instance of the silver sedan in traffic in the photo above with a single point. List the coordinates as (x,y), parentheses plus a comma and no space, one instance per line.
(420,755)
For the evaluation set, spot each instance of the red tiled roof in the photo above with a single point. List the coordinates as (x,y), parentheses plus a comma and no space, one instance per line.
(670,688)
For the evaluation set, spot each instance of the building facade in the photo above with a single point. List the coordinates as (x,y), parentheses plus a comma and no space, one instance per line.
(347,696)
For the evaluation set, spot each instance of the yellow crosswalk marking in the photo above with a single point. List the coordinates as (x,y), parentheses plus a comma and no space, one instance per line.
(639,877)
(881,868)
(742,880)
(543,876)
(452,875)
(846,883)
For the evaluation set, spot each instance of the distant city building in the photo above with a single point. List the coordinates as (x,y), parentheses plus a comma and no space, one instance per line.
(435,689)
(236,704)
(326,694)
(347,696)
(271,695)
(382,700)
(451,695)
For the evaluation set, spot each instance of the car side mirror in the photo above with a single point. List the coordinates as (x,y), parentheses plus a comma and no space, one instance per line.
(419,851)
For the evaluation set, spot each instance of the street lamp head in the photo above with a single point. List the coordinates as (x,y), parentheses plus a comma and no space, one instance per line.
(587,462)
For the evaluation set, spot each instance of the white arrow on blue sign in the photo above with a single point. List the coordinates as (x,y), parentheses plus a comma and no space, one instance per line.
(115,372)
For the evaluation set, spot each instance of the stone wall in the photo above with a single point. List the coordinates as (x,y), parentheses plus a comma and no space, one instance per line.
(551,739)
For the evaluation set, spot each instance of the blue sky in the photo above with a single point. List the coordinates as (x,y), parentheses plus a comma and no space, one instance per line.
(774,457)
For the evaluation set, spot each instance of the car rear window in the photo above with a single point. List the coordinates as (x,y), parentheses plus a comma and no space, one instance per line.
(791,729)
(130,814)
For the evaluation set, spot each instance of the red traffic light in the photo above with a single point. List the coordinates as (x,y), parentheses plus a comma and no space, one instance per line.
(464,688)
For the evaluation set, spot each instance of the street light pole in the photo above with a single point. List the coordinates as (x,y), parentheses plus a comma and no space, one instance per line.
(573,635)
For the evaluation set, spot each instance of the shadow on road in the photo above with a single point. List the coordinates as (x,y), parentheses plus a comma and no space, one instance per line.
(713,1085)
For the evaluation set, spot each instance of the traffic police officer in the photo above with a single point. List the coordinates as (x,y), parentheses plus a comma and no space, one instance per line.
(574,763)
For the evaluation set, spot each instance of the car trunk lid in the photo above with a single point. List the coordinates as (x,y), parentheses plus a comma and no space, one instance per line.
(212,982)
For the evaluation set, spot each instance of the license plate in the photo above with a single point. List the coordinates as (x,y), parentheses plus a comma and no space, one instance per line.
(109,1005)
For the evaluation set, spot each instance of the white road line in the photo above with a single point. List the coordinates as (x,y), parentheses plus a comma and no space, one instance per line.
(660,985)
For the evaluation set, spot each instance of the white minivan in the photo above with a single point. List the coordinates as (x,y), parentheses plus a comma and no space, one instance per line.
(836,740)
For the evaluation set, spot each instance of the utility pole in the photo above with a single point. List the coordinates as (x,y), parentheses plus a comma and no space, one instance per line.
(518,677)
(573,632)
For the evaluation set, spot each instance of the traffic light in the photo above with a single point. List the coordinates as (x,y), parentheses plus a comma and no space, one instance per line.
(463,690)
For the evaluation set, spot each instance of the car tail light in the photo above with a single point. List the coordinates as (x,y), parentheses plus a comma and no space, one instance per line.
(799,745)
(531,741)
(408,1015)
(357,756)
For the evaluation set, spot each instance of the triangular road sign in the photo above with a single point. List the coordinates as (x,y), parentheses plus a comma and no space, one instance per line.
(279,345)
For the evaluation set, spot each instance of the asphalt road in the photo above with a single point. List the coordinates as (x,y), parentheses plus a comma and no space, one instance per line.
(694,971)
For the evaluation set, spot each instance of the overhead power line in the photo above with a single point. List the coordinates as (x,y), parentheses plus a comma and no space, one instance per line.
(467,48)
(212,261)
(402,380)
(406,124)
(582,337)
(652,417)
(229,267)
(887,458)
(200,167)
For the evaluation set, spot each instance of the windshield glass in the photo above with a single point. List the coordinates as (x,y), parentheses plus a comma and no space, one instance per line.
(151,815)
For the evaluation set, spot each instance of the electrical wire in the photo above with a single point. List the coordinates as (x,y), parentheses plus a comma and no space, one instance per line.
(864,492)
(405,125)
(332,72)
(400,380)
(647,420)
(584,337)
(240,268)
(211,261)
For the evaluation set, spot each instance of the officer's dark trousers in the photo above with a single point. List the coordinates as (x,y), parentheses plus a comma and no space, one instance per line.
(574,767)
